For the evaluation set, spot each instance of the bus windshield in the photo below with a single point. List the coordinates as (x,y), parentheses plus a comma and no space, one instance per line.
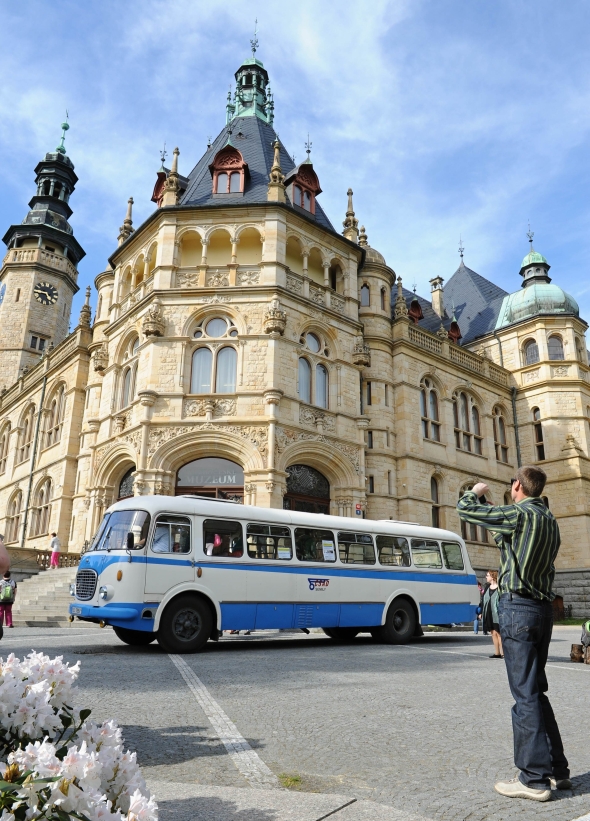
(112,534)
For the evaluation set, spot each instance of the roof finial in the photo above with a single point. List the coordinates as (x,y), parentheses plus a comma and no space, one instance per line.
(61,149)
(208,143)
(172,185)
(363,238)
(276,186)
(530,234)
(85,311)
(414,287)
(254,42)
(163,154)
(126,229)
(461,248)
(308,148)
(351,223)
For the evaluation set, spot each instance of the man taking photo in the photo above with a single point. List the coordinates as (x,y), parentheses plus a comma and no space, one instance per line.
(528,537)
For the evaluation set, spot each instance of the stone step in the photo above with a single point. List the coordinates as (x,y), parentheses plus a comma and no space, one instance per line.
(44,599)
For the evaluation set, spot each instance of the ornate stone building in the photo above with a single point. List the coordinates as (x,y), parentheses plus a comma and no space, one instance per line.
(244,348)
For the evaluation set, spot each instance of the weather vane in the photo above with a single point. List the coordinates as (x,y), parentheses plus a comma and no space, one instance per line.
(163,154)
(308,146)
(461,248)
(254,42)
(530,234)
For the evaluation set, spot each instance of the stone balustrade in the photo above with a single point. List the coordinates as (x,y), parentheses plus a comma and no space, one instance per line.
(40,256)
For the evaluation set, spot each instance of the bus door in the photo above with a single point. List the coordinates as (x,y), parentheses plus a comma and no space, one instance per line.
(170,557)
(318,590)
(272,586)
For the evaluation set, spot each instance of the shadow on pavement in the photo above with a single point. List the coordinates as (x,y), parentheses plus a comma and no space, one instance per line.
(210,808)
(167,745)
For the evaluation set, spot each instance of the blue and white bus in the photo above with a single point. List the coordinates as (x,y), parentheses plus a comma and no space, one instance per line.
(181,569)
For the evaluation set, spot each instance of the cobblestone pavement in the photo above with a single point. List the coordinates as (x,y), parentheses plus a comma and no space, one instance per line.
(424,729)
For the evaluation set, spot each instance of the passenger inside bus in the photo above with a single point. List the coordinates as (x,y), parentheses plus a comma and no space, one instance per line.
(223,539)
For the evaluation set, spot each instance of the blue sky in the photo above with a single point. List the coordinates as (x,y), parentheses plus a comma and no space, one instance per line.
(446,117)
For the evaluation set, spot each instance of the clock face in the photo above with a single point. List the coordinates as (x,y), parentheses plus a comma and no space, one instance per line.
(2,292)
(45,293)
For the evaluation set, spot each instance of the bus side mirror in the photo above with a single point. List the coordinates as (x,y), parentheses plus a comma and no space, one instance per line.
(130,541)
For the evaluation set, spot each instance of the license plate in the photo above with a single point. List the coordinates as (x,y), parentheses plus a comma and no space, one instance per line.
(76,611)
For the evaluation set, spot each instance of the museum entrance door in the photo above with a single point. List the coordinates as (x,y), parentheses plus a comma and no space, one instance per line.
(308,490)
(212,477)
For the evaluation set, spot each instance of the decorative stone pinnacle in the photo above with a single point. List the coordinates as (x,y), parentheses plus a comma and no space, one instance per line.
(126,229)
(363,238)
(85,311)
(172,185)
(400,310)
(276,186)
(350,223)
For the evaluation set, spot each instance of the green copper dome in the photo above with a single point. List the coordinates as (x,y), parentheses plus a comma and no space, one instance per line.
(533,258)
(538,298)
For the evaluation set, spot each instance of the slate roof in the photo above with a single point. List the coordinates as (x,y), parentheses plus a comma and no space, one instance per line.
(431,320)
(254,139)
(477,302)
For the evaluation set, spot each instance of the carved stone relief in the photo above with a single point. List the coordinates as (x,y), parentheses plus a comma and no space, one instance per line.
(221,407)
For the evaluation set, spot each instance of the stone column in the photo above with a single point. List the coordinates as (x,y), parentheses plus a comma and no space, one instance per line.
(272,399)
(148,399)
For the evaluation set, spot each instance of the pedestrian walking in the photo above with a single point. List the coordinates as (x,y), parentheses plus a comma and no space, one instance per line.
(55,547)
(489,612)
(4,557)
(7,597)
(477,618)
(528,538)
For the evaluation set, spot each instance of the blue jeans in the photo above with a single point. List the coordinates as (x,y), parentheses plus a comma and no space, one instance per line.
(476,625)
(525,627)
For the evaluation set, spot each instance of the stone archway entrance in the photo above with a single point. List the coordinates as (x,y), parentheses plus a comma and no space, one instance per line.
(308,490)
(212,477)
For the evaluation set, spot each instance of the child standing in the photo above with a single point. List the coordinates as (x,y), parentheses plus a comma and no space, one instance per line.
(7,597)
(55,546)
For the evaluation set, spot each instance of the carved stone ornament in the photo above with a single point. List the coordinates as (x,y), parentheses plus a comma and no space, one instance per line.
(197,407)
(286,437)
(275,319)
(248,278)
(532,376)
(153,321)
(317,419)
(294,284)
(361,354)
(257,435)
(100,358)
(217,279)
(559,370)
(187,280)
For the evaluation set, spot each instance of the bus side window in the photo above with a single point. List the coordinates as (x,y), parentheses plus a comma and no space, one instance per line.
(269,542)
(426,553)
(223,538)
(314,545)
(172,535)
(453,556)
(356,548)
(394,550)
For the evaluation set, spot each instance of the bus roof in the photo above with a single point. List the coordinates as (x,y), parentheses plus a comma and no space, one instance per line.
(201,506)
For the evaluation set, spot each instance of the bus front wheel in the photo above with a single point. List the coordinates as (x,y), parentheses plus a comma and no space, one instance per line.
(137,638)
(185,626)
(341,634)
(400,623)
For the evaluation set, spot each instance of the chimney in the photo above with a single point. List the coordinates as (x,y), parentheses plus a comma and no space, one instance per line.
(437,296)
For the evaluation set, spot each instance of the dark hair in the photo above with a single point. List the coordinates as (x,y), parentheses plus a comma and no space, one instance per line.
(532,479)
(54,534)
(7,574)
(494,575)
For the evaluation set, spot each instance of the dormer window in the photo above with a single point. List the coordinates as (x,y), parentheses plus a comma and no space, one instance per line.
(228,170)
(305,187)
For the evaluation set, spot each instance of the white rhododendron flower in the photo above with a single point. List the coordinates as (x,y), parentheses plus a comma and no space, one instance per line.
(56,761)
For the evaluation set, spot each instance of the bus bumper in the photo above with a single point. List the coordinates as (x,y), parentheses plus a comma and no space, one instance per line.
(132,616)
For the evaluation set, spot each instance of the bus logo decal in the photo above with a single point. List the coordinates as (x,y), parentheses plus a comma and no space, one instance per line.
(321,584)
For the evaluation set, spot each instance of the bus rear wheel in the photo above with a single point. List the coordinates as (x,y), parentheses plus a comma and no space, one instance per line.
(137,638)
(400,623)
(185,626)
(341,634)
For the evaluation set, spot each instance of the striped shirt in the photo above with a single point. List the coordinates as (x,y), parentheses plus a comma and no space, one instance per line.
(528,537)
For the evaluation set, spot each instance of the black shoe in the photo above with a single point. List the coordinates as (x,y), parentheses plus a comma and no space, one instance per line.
(560,783)
(494,656)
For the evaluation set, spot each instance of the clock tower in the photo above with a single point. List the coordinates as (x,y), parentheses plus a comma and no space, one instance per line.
(39,273)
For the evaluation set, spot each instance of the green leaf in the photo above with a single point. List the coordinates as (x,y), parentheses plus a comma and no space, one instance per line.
(84,714)
(66,720)
(61,753)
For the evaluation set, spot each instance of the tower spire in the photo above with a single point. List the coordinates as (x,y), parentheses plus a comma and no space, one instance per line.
(65,126)
(276,186)
(172,184)
(126,229)
(530,234)
(254,41)
(461,249)
(350,223)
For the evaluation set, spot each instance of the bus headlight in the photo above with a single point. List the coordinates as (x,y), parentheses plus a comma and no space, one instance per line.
(106,592)
(73,589)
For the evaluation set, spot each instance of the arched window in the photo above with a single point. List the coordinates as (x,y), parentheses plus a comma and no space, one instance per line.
(225,371)
(538,435)
(56,417)
(213,477)
(128,386)
(500,441)
(307,490)
(222,183)
(429,411)
(435,509)
(126,485)
(321,386)
(383,297)
(365,296)
(13,517)
(467,426)
(235,182)
(555,347)
(26,436)
(471,532)
(229,171)
(4,445)
(531,352)
(42,509)
(304,380)
(217,369)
